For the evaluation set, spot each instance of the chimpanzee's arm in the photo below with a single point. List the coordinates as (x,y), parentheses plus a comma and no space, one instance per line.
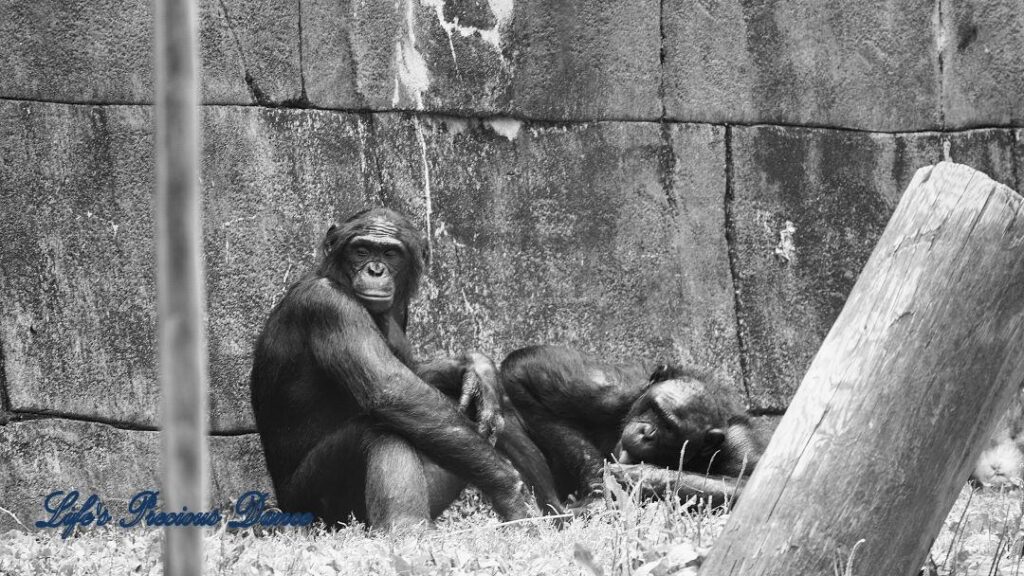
(571,409)
(515,442)
(346,343)
(564,381)
(471,380)
(655,481)
(741,450)
(571,450)
(445,374)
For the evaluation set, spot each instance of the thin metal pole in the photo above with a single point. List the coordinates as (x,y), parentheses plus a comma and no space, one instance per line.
(180,294)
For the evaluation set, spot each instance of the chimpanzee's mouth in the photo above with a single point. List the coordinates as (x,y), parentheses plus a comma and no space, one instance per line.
(379,294)
(376,295)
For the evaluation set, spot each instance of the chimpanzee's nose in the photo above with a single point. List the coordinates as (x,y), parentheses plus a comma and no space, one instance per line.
(376,268)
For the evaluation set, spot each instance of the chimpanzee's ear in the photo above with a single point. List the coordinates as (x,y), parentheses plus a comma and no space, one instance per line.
(328,243)
(714,438)
(660,373)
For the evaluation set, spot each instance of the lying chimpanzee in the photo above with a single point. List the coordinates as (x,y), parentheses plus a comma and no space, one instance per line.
(350,423)
(580,411)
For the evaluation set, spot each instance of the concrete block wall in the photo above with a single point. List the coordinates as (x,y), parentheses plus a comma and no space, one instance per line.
(682,180)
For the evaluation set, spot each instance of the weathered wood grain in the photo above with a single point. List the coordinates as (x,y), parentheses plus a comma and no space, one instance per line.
(896,405)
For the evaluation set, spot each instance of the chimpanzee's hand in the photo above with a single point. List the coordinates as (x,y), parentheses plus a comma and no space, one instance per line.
(516,503)
(652,479)
(481,394)
(587,507)
(655,481)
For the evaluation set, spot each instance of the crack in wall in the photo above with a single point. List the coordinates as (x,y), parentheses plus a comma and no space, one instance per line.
(254,90)
(661,60)
(1015,145)
(259,97)
(5,400)
(38,416)
(539,122)
(302,63)
(365,140)
(940,47)
(303,100)
(730,242)
(373,171)
(667,168)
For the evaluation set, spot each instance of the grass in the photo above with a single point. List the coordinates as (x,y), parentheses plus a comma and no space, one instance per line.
(619,536)
(982,535)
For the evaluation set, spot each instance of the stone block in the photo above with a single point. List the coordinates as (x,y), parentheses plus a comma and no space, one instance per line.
(983,62)
(587,60)
(564,60)
(78,323)
(77,51)
(102,52)
(251,52)
(808,207)
(274,181)
(433,55)
(870,65)
(42,456)
(605,236)
(77,274)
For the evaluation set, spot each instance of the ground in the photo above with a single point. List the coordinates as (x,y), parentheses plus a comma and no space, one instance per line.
(620,537)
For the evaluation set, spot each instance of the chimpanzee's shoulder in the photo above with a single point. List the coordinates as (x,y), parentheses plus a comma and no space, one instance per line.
(314,294)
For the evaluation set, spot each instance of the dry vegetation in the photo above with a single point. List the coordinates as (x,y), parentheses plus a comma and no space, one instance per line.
(619,537)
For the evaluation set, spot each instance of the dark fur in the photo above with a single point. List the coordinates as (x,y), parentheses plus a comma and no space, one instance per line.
(345,413)
(577,409)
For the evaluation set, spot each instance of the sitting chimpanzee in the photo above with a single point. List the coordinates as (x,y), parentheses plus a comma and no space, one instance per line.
(581,411)
(350,423)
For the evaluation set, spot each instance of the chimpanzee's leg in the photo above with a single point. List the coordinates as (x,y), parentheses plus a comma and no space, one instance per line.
(396,487)
(515,443)
(404,487)
(376,476)
(331,481)
(443,487)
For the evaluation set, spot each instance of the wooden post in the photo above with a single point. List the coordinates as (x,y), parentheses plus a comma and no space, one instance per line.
(896,405)
(180,280)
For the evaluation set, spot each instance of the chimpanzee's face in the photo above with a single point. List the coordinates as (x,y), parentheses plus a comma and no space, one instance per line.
(377,256)
(673,417)
(376,265)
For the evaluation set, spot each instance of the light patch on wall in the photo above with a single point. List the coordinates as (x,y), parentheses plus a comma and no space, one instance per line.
(502,10)
(411,74)
(786,248)
(427,196)
(507,127)
(451,124)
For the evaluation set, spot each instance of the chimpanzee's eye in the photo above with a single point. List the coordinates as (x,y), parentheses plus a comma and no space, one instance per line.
(390,253)
(665,420)
(362,252)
